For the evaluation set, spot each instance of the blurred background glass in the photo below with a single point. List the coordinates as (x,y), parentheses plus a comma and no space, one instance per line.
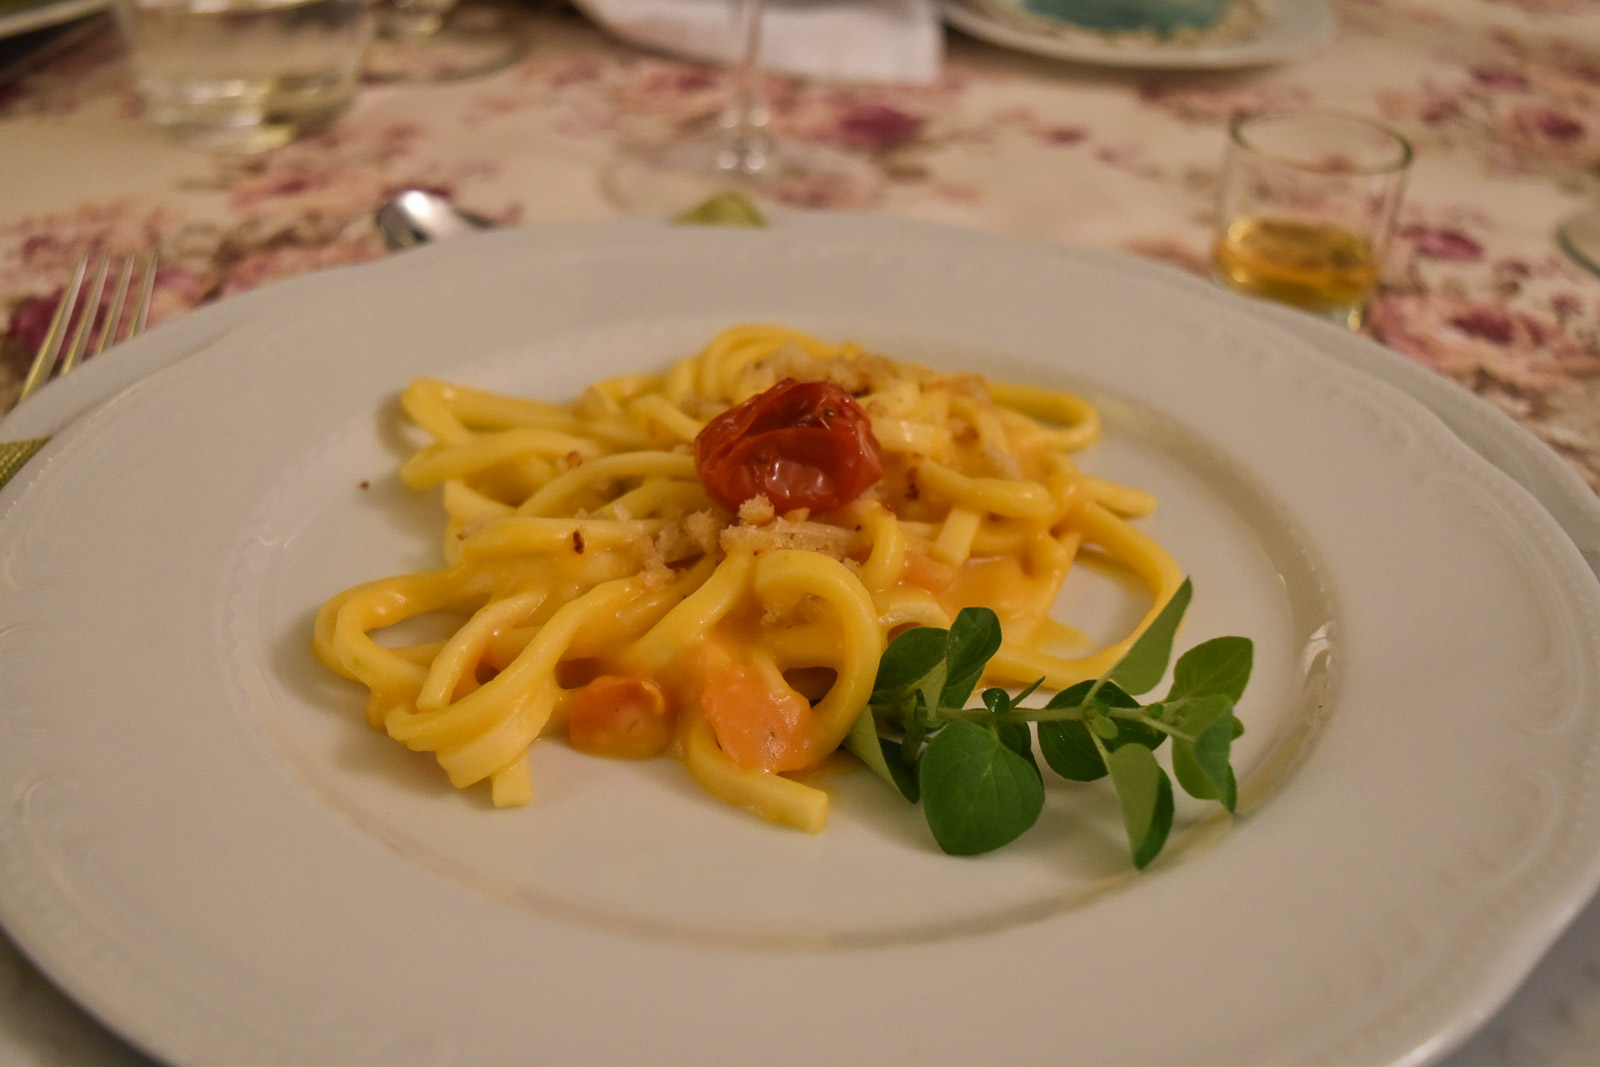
(441,40)
(245,75)
(740,152)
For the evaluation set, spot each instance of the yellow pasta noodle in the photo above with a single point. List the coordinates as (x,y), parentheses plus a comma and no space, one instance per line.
(597,589)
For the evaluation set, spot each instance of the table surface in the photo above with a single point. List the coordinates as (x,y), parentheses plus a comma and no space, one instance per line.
(1500,98)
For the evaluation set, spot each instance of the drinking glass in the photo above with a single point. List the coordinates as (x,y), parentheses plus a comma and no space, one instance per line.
(244,75)
(441,40)
(1307,207)
(740,153)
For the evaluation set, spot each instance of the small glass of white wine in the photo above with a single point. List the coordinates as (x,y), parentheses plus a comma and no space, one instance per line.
(1307,206)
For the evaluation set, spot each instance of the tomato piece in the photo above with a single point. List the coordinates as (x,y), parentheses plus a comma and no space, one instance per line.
(759,721)
(801,444)
(620,716)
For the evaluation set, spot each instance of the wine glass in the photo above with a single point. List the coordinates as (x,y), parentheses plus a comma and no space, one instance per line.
(740,153)
(1580,238)
(441,40)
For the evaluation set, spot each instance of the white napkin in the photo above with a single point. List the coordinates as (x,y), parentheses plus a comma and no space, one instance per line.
(828,40)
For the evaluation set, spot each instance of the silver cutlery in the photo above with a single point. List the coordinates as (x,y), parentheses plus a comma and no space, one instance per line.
(416,217)
(78,330)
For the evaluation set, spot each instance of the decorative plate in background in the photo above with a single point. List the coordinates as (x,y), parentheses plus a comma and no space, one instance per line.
(25,18)
(1292,29)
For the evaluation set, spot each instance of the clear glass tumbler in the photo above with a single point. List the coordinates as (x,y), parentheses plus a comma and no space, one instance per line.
(1307,207)
(245,75)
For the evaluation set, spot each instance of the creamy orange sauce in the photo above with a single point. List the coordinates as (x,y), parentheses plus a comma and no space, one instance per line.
(620,716)
(1018,594)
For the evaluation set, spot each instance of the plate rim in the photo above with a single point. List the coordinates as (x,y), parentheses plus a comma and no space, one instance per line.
(1126,262)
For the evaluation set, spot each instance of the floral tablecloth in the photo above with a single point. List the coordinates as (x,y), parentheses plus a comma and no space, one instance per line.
(1501,99)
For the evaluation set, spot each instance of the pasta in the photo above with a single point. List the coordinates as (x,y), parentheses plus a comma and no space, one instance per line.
(610,593)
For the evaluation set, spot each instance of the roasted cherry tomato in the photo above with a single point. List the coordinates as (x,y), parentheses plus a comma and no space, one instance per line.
(801,444)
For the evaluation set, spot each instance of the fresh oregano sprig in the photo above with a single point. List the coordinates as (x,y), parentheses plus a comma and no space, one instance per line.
(974,769)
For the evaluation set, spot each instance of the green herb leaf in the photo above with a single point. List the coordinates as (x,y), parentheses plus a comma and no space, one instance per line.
(917,722)
(1134,732)
(1070,751)
(1109,694)
(912,665)
(728,208)
(973,639)
(1142,666)
(1203,770)
(1193,716)
(977,793)
(977,775)
(998,701)
(1202,764)
(1130,730)
(1145,794)
(1018,738)
(910,657)
(1072,696)
(1066,744)
(881,755)
(1218,666)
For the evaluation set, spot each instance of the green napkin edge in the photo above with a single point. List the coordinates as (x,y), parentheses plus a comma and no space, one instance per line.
(729,208)
(13,454)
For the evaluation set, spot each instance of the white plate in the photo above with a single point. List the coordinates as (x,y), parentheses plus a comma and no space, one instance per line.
(208,851)
(49,13)
(1294,29)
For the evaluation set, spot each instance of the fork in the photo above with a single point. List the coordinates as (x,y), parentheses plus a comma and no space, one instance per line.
(79,312)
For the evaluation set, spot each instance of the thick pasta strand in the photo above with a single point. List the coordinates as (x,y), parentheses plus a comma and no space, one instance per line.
(591,585)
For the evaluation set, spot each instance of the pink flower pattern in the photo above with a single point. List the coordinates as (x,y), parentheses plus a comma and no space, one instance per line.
(1502,107)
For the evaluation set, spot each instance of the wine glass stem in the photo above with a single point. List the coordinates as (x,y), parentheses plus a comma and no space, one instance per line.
(745,117)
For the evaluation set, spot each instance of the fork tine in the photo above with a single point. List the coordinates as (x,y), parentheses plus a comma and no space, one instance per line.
(86,318)
(141,310)
(79,311)
(114,315)
(45,361)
